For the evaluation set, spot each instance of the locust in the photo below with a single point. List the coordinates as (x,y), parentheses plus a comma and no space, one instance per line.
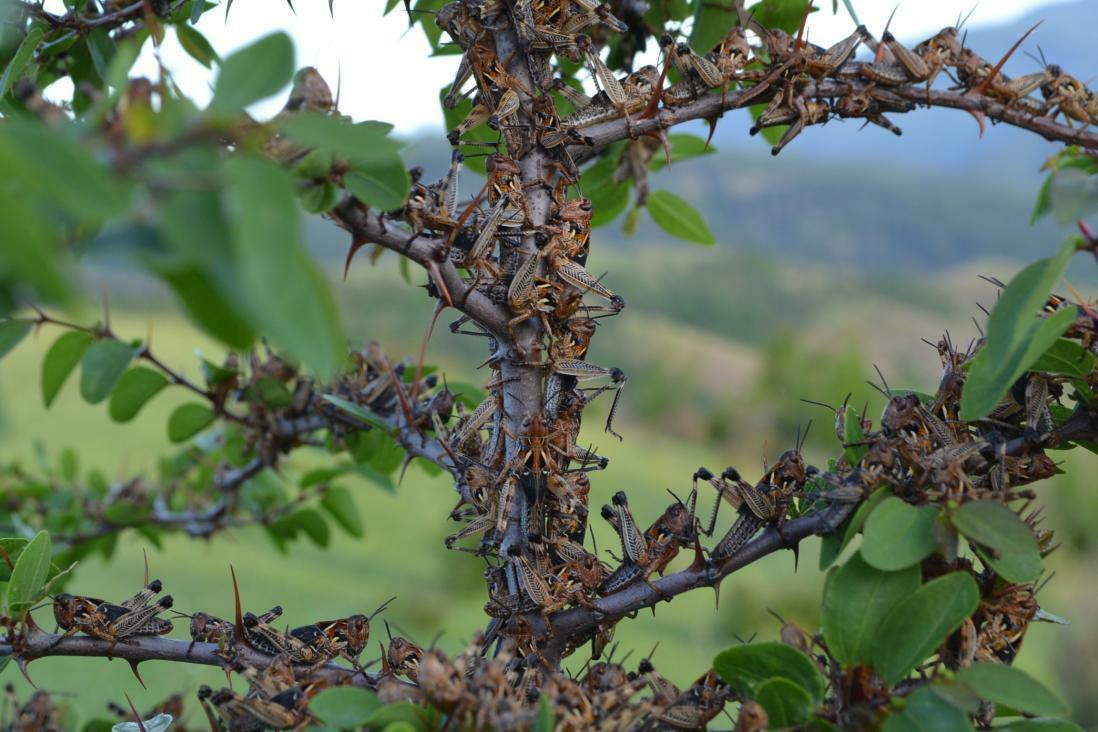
(345,637)
(136,616)
(790,108)
(584,370)
(646,554)
(616,99)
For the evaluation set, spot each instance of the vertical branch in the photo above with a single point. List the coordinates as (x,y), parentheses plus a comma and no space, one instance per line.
(520,370)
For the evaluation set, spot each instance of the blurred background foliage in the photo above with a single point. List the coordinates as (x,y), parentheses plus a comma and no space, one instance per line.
(829,259)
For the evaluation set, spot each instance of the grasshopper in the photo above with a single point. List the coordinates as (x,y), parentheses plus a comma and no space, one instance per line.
(402,657)
(790,108)
(136,616)
(287,710)
(650,552)
(345,637)
(616,99)
(583,370)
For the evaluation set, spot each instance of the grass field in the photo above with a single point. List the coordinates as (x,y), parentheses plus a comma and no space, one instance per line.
(402,553)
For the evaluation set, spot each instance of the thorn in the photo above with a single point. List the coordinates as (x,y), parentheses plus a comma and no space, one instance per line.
(238,627)
(357,242)
(881,47)
(717,593)
(439,307)
(137,674)
(23,662)
(712,122)
(804,22)
(436,275)
(145,554)
(982,87)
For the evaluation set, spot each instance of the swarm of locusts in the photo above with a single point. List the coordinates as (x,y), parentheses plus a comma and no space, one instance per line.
(523,244)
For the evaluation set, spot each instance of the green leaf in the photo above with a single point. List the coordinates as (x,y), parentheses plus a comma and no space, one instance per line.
(917,624)
(136,387)
(898,535)
(608,202)
(1013,687)
(196,45)
(56,168)
(314,526)
(287,295)
(374,476)
(544,720)
(784,14)
(14,70)
(207,306)
(13,548)
(1065,357)
(786,704)
(1016,337)
(419,717)
(159,723)
(338,502)
(833,545)
(11,333)
(678,218)
(1012,567)
(1040,725)
(187,420)
(253,73)
(377,175)
(356,411)
(746,667)
(711,22)
(101,368)
(467,394)
(683,147)
(30,573)
(925,711)
(852,433)
(997,527)
(856,599)
(344,706)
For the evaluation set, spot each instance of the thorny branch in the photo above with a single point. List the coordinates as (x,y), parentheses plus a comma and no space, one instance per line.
(40,644)
(710,107)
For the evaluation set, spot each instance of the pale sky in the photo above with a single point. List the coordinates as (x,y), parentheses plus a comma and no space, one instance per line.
(386,74)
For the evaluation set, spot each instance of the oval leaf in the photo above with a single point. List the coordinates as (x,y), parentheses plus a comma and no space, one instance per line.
(1015,554)
(786,704)
(314,526)
(196,45)
(11,333)
(102,367)
(60,360)
(344,706)
(254,72)
(1013,687)
(285,292)
(1066,357)
(898,535)
(28,578)
(137,386)
(1016,337)
(159,723)
(188,420)
(832,546)
(856,599)
(746,667)
(924,711)
(340,504)
(917,625)
(14,70)
(678,218)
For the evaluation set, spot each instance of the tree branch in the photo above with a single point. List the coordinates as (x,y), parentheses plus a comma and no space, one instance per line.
(709,106)
(39,644)
(428,252)
(573,626)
